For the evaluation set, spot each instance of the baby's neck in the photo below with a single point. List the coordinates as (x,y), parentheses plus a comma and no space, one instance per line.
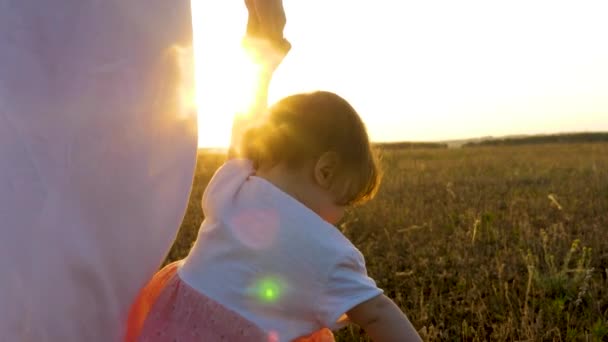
(292,182)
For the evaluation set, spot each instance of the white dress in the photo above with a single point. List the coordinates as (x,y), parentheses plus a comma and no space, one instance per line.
(96,161)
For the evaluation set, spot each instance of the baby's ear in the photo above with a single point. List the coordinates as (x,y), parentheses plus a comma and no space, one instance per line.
(325,169)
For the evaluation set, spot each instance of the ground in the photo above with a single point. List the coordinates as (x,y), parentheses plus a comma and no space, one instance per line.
(480,243)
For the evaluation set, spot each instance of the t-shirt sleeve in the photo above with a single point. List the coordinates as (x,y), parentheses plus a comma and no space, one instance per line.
(224,185)
(348,285)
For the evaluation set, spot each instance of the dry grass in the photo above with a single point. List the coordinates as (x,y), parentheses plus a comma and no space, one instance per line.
(488,243)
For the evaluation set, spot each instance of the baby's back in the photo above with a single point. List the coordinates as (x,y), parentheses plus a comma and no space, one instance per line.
(263,254)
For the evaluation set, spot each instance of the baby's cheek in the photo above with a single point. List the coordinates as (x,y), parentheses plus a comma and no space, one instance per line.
(340,213)
(333,214)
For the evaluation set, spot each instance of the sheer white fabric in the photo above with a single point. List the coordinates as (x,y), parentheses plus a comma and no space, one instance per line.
(96,160)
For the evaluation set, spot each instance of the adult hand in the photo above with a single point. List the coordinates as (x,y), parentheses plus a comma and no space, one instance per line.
(267,21)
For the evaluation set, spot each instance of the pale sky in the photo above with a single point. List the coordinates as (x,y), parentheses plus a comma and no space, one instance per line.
(422,70)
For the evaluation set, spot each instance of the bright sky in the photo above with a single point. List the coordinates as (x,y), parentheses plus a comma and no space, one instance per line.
(422,70)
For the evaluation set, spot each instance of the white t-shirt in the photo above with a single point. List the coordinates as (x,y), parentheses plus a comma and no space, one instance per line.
(266,256)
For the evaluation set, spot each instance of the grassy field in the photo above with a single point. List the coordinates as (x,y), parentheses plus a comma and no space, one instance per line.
(484,243)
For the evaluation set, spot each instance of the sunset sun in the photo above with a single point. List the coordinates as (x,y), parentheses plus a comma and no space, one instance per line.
(418,71)
(226,76)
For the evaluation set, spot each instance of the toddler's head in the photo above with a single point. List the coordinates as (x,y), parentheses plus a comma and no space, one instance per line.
(315,147)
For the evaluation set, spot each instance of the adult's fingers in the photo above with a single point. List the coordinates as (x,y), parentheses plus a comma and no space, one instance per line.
(252,19)
(267,18)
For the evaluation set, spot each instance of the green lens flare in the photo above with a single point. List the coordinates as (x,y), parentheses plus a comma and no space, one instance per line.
(269,294)
(269,290)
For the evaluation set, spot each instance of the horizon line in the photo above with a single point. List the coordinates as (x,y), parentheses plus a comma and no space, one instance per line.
(486,137)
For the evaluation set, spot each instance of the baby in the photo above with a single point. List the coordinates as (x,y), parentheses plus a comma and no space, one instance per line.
(268,263)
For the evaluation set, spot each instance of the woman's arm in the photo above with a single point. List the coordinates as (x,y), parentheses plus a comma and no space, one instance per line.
(383,321)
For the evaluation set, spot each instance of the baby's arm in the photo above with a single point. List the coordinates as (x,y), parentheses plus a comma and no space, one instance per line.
(242,121)
(266,46)
(383,321)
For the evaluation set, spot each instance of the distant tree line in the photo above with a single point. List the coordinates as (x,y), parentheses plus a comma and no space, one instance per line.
(543,139)
(410,145)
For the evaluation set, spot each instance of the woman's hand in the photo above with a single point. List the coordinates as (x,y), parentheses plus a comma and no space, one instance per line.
(264,40)
(267,21)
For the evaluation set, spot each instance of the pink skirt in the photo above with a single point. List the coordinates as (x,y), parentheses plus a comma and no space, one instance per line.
(168,309)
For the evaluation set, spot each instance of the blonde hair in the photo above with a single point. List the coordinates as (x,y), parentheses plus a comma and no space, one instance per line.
(303,127)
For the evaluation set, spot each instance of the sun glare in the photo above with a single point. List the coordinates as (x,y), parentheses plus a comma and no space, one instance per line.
(459,70)
(226,76)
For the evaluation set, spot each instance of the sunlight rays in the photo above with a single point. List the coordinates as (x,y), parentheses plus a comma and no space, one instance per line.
(226,77)
(419,71)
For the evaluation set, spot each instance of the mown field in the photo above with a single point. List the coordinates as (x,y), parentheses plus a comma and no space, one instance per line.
(485,243)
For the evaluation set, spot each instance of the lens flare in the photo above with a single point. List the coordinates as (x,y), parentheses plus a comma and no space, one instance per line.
(262,227)
(269,289)
(226,77)
(273,336)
